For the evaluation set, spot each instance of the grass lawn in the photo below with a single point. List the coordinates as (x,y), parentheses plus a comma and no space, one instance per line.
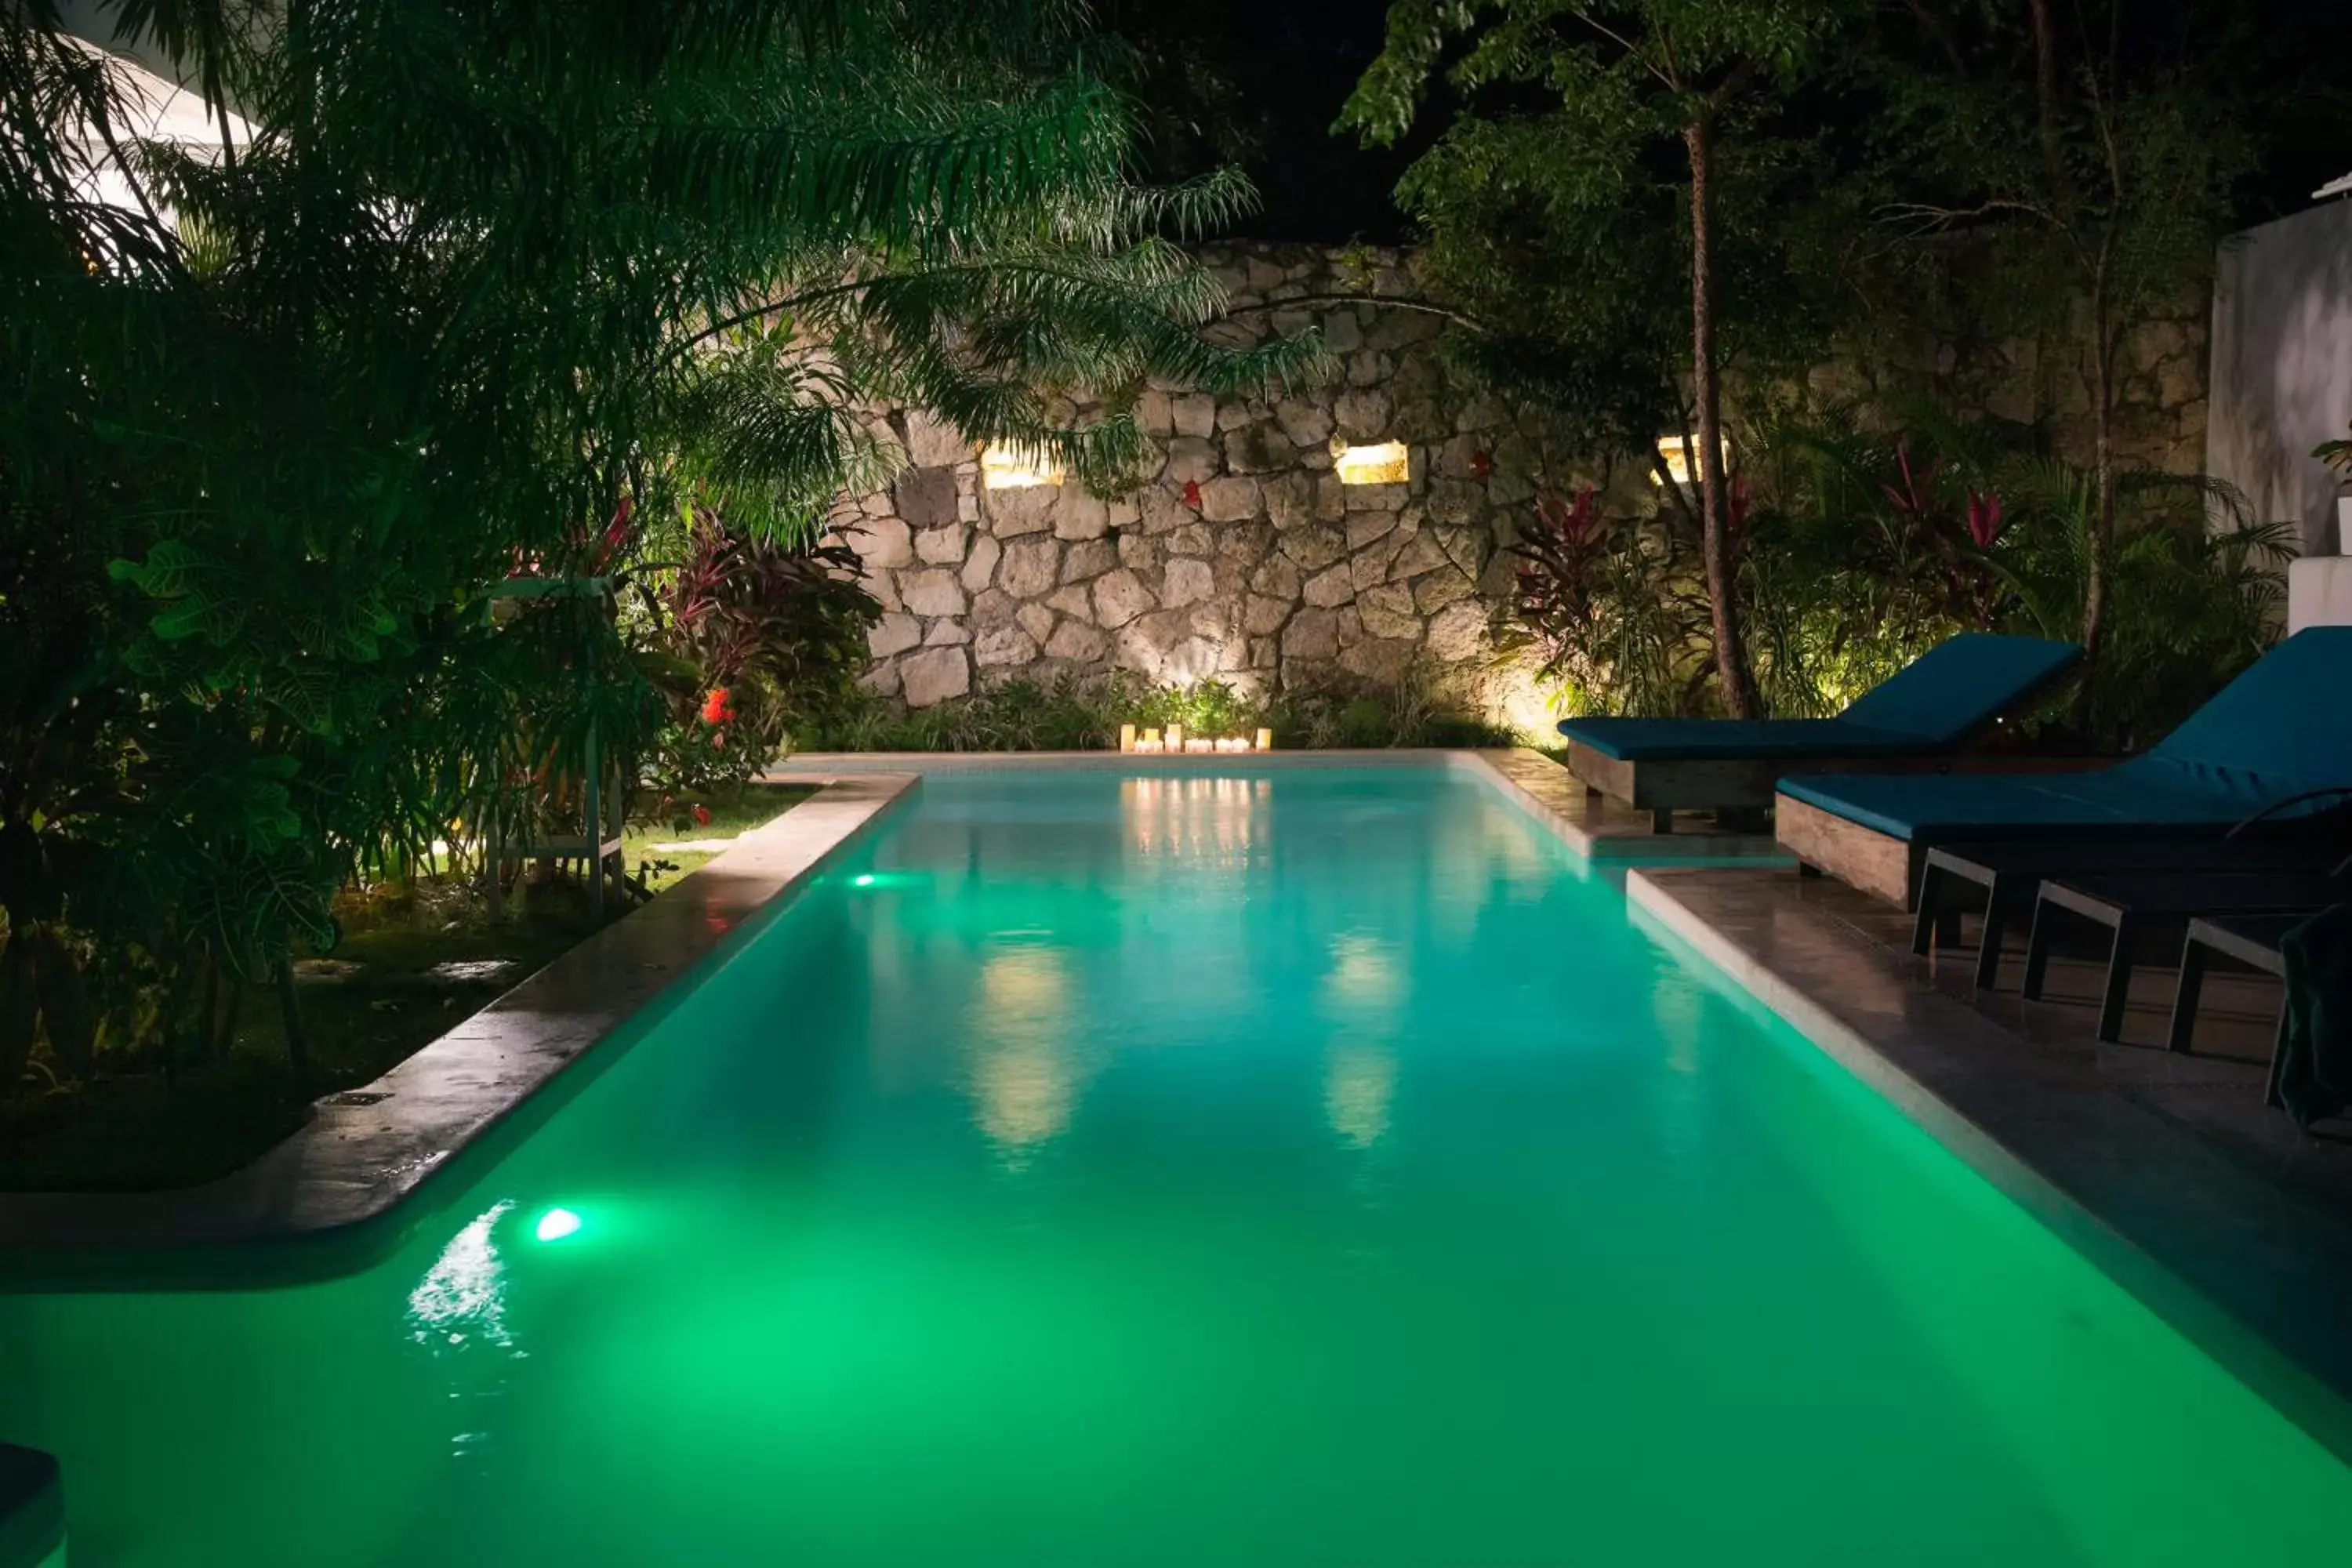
(411,963)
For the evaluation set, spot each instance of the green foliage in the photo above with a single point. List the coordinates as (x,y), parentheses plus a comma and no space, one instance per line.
(750,638)
(1598,150)
(2336,455)
(1860,552)
(1555,207)
(484,280)
(2094,157)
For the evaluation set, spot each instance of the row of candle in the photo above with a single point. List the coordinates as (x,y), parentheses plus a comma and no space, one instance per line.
(1153,741)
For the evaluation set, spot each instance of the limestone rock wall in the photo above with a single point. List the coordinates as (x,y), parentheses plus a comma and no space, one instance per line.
(1244,557)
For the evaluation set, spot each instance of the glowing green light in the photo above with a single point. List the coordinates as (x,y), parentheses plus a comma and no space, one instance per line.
(557,1224)
(865,880)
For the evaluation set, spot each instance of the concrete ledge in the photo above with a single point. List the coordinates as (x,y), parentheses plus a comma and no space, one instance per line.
(1604,829)
(347,1187)
(2259,1279)
(32,1510)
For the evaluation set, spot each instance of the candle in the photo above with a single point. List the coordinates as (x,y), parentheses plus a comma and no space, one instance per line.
(1150,742)
(1200,743)
(1175,737)
(1265,740)
(1126,737)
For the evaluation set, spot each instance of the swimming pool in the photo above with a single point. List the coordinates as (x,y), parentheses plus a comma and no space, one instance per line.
(1299,1166)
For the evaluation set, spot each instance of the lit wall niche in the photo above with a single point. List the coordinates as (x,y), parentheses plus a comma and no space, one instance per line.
(1385,464)
(1677,455)
(1009,469)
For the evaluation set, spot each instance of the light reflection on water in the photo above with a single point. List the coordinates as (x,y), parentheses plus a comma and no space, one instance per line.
(463,1295)
(1192,819)
(1024,1074)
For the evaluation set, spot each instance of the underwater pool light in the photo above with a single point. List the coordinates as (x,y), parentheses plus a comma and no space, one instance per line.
(863,880)
(557,1224)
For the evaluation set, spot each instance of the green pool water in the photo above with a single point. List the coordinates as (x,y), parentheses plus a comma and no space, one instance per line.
(1310,1167)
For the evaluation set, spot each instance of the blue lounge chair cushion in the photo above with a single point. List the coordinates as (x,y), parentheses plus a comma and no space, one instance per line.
(1955,805)
(1960,685)
(2281,729)
(1933,704)
(1694,740)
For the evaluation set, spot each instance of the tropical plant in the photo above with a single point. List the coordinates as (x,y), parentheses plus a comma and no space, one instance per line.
(753,640)
(1613,604)
(2336,455)
(1859,551)
(2136,134)
(1550,206)
(281,427)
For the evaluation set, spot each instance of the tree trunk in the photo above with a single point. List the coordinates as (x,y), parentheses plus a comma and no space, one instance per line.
(1714,545)
(2045,101)
(2100,544)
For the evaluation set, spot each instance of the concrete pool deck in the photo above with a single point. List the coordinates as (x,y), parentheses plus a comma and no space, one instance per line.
(2165,1169)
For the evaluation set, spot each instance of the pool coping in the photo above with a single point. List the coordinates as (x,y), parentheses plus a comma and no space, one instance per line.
(337,1194)
(2200,1244)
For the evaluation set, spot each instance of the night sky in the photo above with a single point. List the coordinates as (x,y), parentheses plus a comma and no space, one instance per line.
(1290,63)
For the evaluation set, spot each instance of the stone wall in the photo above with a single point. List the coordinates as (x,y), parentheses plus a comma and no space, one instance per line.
(1242,557)
(2160,386)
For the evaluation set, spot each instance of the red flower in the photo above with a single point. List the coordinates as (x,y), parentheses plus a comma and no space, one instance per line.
(616,534)
(1984,520)
(1482,463)
(702,815)
(717,740)
(1917,494)
(1192,494)
(1573,522)
(717,709)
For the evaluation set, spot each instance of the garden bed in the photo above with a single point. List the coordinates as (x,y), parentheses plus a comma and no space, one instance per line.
(411,965)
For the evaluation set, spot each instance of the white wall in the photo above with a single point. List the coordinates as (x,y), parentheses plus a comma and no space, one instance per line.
(2281,379)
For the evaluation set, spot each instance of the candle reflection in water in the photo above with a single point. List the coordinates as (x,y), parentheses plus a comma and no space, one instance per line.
(1025,1072)
(1361,996)
(1186,817)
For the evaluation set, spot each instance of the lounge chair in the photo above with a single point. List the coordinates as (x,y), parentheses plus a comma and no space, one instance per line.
(2249,940)
(2009,877)
(2260,943)
(1923,714)
(2275,743)
(2139,908)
